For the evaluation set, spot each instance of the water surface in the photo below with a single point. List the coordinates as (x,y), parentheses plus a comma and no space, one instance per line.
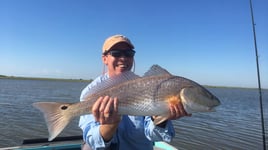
(235,125)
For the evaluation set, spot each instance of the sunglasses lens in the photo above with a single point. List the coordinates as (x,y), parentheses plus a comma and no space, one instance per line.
(115,53)
(129,53)
(120,53)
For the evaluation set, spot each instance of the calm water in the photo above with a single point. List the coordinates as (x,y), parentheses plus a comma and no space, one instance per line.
(235,125)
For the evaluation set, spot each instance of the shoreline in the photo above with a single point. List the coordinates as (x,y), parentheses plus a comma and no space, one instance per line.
(40,78)
(90,80)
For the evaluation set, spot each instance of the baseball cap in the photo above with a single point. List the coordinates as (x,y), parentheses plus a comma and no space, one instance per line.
(111,41)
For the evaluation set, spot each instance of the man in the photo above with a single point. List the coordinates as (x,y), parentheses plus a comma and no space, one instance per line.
(104,128)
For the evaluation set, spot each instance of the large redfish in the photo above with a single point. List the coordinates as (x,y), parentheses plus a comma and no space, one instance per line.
(149,95)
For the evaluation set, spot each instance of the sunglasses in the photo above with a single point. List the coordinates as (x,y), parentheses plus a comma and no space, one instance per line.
(120,53)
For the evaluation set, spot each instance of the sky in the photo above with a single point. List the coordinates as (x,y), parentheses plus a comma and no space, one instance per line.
(208,41)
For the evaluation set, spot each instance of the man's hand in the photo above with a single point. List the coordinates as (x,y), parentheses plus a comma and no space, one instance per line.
(177,111)
(105,110)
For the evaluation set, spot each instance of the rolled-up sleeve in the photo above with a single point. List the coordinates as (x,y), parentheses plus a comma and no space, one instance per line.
(92,136)
(91,133)
(90,128)
(155,133)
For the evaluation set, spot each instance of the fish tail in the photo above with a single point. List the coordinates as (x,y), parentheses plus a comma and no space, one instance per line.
(56,116)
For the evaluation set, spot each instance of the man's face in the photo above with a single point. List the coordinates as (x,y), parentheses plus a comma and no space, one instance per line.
(116,65)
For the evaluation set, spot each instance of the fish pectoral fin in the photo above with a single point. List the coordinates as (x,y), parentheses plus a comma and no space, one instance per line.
(160,119)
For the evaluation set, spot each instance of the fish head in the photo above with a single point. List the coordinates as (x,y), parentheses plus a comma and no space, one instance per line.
(198,99)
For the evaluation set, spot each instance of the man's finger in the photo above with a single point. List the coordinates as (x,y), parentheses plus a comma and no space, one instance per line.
(95,108)
(103,104)
(115,105)
(108,108)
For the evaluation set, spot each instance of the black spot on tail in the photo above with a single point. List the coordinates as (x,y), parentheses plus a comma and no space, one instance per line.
(64,107)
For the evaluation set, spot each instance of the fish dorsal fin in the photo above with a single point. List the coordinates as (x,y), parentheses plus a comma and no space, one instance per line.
(156,70)
(110,82)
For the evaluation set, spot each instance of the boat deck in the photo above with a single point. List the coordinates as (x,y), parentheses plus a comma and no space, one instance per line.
(68,143)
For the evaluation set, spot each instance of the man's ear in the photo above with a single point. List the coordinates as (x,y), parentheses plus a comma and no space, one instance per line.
(104,59)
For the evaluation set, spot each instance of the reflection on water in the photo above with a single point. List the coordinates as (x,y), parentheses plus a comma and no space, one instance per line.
(235,125)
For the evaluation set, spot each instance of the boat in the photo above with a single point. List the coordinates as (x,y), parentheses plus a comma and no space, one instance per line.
(68,143)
